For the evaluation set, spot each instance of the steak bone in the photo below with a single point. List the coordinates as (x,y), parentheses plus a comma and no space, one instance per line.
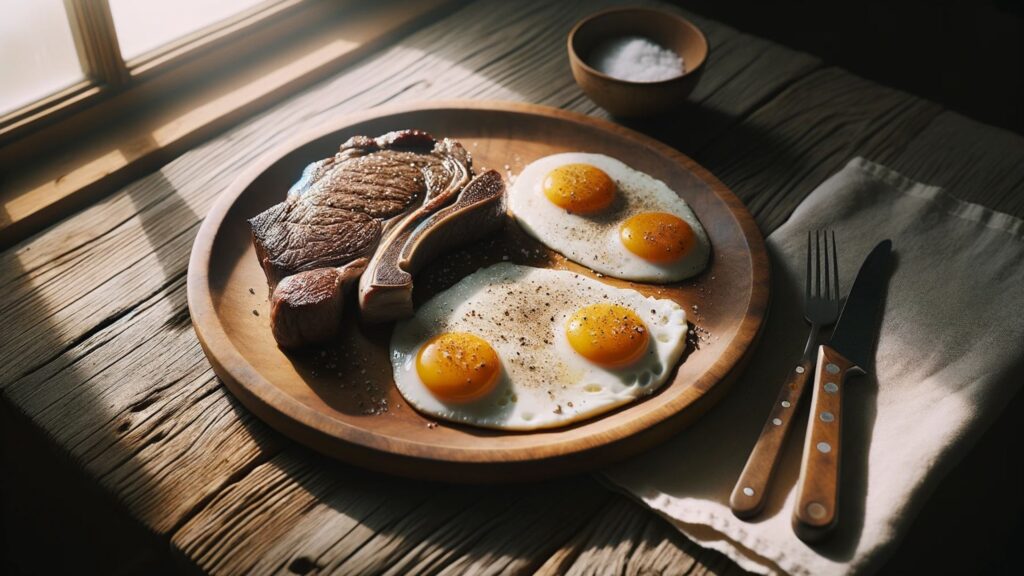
(385,289)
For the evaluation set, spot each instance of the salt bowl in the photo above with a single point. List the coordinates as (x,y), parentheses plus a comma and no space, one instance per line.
(637,62)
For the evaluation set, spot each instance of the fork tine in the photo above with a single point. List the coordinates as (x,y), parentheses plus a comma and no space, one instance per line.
(807,277)
(828,280)
(835,267)
(817,262)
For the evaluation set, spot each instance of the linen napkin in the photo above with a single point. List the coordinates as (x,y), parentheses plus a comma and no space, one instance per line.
(950,354)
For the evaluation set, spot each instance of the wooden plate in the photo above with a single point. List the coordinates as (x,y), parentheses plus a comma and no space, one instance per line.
(342,400)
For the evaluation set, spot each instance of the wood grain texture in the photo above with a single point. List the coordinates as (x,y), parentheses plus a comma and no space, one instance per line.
(769,122)
(816,511)
(749,495)
(623,539)
(155,450)
(331,517)
(777,155)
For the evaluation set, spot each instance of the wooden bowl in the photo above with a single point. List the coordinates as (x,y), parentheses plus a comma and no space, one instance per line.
(629,99)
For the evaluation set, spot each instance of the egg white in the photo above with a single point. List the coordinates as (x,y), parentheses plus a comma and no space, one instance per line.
(593,239)
(522,313)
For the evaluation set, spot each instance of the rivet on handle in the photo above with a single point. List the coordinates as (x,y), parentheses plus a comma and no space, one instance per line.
(816,510)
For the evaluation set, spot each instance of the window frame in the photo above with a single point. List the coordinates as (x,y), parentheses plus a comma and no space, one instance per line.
(107,74)
(78,146)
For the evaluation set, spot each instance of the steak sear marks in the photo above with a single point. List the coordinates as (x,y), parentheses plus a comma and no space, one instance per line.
(336,212)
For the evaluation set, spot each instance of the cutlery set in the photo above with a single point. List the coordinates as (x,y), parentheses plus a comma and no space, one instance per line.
(848,352)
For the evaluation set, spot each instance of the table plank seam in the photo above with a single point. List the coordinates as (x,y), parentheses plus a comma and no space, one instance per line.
(162,434)
(233,479)
(768,96)
(558,562)
(382,529)
(118,313)
(760,104)
(153,424)
(75,249)
(465,543)
(98,328)
(449,538)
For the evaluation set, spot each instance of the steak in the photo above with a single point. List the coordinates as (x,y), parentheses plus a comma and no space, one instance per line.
(310,245)
(339,208)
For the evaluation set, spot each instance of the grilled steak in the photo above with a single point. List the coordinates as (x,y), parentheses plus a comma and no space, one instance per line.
(385,289)
(338,210)
(337,213)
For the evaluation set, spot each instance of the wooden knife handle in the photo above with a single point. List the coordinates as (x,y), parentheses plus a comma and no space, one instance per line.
(817,495)
(748,496)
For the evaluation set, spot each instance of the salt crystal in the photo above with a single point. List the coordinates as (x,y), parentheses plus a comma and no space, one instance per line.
(636,59)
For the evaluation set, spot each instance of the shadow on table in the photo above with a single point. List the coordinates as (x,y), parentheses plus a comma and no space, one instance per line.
(170,226)
(47,496)
(72,433)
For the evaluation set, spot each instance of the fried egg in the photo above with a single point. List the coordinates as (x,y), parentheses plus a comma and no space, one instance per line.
(599,212)
(519,348)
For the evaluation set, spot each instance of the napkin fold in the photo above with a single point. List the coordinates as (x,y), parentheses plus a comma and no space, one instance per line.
(950,355)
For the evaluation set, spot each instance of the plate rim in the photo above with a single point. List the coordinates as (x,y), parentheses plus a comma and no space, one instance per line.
(350,442)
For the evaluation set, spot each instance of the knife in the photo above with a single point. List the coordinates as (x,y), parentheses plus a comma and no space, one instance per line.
(848,352)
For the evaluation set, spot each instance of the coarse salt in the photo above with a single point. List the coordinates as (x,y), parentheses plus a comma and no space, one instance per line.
(636,59)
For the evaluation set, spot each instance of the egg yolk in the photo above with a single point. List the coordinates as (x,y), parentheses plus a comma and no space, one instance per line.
(458,367)
(579,188)
(607,334)
(657,236)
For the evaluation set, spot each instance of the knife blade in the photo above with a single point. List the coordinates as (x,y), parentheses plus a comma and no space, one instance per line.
(848,352)
(854,333)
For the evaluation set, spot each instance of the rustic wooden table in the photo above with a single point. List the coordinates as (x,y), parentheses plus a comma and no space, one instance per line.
(121,446)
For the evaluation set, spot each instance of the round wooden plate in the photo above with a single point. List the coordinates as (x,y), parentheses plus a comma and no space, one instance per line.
(342,400)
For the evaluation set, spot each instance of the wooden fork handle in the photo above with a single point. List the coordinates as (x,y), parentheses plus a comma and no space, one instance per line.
(748,496)
(817,495)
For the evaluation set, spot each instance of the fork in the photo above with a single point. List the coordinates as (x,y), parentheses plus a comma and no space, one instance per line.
(821,309)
